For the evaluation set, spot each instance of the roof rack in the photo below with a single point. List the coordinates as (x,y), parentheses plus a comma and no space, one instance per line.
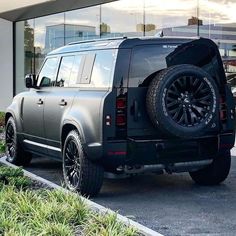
(96,40)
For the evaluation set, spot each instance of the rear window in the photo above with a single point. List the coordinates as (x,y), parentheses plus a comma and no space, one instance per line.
(147,59)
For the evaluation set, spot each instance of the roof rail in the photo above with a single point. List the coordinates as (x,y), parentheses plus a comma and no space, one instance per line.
(95,40)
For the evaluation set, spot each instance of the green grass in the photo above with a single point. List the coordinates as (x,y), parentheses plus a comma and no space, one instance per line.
(2,118)
(52,212)
(26,212)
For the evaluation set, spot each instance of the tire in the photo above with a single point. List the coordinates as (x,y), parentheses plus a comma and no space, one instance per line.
(80,174)
(182,101)
(215,173)
(14,151)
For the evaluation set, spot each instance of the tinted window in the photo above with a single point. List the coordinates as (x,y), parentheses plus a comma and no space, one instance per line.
(103,66)
(146,60)
(47,75)
(63,79)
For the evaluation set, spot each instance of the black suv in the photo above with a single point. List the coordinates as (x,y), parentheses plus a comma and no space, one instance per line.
(126,106)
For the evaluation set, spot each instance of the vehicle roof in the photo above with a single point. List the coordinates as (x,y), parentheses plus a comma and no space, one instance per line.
(115,43)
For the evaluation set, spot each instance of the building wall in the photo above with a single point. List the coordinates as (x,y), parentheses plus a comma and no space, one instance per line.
(6,64)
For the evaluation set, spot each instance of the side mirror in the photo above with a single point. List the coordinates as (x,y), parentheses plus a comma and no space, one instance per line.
(30,81)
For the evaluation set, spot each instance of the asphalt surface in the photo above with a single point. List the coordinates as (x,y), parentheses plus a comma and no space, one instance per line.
(169,204)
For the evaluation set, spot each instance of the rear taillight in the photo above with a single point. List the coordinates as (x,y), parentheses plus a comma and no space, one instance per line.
(223,109)
(121,105)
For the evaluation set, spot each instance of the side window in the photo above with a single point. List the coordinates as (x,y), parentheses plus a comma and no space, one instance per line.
(87,68)
(63,78)
(102,68)
(47,75)
(77,70)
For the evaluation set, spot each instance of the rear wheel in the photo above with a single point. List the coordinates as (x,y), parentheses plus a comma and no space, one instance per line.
(182,101)
(79,172)
(14,151)
(215,173)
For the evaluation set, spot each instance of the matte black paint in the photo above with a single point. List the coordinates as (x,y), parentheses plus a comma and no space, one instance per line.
(86,109)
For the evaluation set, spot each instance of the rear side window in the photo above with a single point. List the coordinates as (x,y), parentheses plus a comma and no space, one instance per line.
(103,68)
(63,79)
(47,75)
(146,60)
(77,70)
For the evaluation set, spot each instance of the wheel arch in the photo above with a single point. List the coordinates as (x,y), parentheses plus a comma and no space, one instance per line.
(69,126)
(7,116)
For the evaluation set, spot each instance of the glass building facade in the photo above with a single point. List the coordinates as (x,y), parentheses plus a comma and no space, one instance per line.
(215,19)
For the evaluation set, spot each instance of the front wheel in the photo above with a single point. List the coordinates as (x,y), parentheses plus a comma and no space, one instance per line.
(14,150)
(216,172)
(80,174)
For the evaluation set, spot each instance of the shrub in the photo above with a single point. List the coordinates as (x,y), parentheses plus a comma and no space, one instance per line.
(2,119)
(2,146)
(26,212)
(13,177)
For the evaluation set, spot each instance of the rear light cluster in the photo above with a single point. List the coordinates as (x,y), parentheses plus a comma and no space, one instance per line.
(223,109)
(121,105)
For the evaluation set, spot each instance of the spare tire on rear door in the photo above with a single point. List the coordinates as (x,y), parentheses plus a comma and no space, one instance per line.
(182,101)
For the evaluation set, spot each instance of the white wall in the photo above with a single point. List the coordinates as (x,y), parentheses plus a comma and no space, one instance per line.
(6,63)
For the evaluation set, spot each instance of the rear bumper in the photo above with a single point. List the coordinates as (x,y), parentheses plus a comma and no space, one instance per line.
(158,151)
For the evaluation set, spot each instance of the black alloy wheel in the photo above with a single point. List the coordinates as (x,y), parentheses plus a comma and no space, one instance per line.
(10,141)
(80,173)
(72,163)
(189,100)
(183,101)
(14,149)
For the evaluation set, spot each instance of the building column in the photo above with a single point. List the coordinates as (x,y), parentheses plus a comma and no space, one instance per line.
(6,64)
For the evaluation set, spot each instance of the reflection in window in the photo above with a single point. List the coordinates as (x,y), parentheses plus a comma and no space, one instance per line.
(49,35)
(76,70)
(122,18)
(82,24)
(47,75)
(63,79)
(219,24)
(103,66)
(170,18)
(145,61)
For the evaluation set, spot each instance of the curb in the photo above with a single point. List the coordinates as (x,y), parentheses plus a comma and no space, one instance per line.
(94,206)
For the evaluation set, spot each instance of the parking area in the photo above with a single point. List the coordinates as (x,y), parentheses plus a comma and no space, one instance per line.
(169,204)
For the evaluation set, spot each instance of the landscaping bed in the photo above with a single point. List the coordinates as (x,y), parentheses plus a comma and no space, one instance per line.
(2,133)
(30,208)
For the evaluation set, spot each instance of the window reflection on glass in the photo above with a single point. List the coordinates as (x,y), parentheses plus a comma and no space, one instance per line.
(24,52)
(63,79)
(47,75)
(122,18)
(171,18)
(82,24)
(49,35)
(103,66)
(29,46)
(219,24)
(76,70)
(145,61)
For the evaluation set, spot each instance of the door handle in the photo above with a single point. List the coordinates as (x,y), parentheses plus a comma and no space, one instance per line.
(62,103)
(40,102)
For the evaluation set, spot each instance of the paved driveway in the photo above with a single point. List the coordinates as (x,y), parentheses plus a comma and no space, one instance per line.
(169,204)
